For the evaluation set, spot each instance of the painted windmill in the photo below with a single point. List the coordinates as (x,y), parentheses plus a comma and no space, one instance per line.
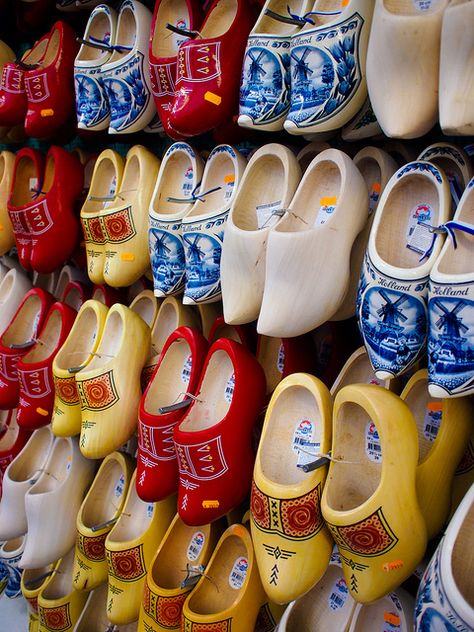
(449,320)
(196,254)
(256,71)
(302,72)
(162,250)
(390,312)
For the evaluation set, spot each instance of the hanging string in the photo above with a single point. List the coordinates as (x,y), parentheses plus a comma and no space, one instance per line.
(194,197)
(94,42)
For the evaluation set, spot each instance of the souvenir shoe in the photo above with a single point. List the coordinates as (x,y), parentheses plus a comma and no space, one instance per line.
(35,370)
(59,605)
(10,554)
(106,295)
(392,612)
(376,167)
(109,385)
(13,288)
(393,286)
(313,241)
(207,81)
(76,294)
(52,503)
(126,75)
(106,180)
(174,381)
(309,152)
(132,291)
(99,511)
(266,190)
(75,353)
(183,17)
(444,429)
(130,547)
(97,47)
(401,151)
(232,598)
(444,599)
(176,567)
(48,282)
(285,503)
(68,274)
(124,223)
(27,175)
(171,315)
(381,536)
(455,163)
(12,440)
(204,225)
(456,103)
(94,616)
(240,333)
(7,238)
(178,180)
(215,456)
(327,68)
(265,84)
(17,339)
(33,582)
(51,220)
(147,306)
(208,313)
(328,605)
(49,86)
(18,478)
(363,125)
(405,96)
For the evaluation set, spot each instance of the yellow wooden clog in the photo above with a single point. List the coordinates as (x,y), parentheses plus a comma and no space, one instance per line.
(369,501)
(147,306)
(7,238)
(33,582)
(130,547)
(76,352)
(444,428)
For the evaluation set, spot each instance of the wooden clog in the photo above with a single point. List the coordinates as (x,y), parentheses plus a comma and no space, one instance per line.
(33,582)
(392,612)
(358,370)
(147,306)
(363,125)
(13,287)
(306,155)
(7,238)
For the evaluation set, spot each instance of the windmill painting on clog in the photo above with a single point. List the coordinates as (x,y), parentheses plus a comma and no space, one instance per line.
(451,307)
(393,287)
(328,66)
(174,195)
(265,84)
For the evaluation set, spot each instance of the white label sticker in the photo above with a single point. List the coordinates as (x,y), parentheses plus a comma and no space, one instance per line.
(327,206)
(229,182)
(339,594)
(265,214)
(391,622)
(119,487)
(111,192)
(422,5)
(373,449)
(238,573)
(195,546)
(303,444)
(419,237)
(187,184)
(281,358)
(432,421)
(149,510)
(186,370)
(229,389)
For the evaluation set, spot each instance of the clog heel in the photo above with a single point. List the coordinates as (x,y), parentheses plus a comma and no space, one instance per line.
(381,536)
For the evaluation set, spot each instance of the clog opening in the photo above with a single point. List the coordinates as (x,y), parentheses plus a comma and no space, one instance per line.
(75,351)
(3,169)
(146,307)
(267,24)
(24,326)
(451,169)
(294,432)
(56,470)
(325,6)
(427,410)
(413,195)
(134,519)
(65,276)
(166,322)
(219,174)
(215,395)
(220,19)
(73,296)
(98,29)
(6,285)
(61,584)
(271,358)
(359,371)
(131,180)
(172,378)
(373,616)
(219,594)
(52,49)
(371,172)
(12,430)
(459,260)
(413,7)
(46,282)
(226,331)
(48,340)
(13,546)
(309,153)
(26,179)
(176,181)
(105,495)
(164,42)
(94,616)
(356,470)
(103,187)
(463,558)
(110,341)
(126,33)
(49,174)
(35,55)
(33,579)
(32,459)
(319,188)
(255,203)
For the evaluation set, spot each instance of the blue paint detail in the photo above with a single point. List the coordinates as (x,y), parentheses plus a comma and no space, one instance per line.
(203,257)
(423,167)
(167,260)
(92,106)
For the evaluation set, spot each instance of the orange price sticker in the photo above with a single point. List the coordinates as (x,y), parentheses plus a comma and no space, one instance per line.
(435,407)
(127,256)
(391,618)
(213,98)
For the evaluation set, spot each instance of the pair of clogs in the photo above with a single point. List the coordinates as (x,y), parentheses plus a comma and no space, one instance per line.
(10,572)
(37,90)
(41,207)
(188,219)
(111,75)
(114,216)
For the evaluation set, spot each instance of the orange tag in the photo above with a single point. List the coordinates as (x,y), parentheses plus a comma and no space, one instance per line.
(210,504)
(1,227)
(229,178)
(435,407)
(391,618)
(376,187)
(345,3)
(212,98)
(42,412)
(127,256)
(48,112)
(328,201)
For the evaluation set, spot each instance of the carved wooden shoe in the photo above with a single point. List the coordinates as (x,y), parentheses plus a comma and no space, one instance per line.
(13,288)
(328,66)
(130,547)
(285,503)
(363,125)
(106,180)
(10,555)
(7,238)
(173,198)
(392,612)
(12,440)
(381,536)
(33,582)
(444,429)
(266,190)
(147,306)
(168,583)
(109,385)
(99,511)
(124,223)
(393,292)
(314,240)
(306,155)
(405,96)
